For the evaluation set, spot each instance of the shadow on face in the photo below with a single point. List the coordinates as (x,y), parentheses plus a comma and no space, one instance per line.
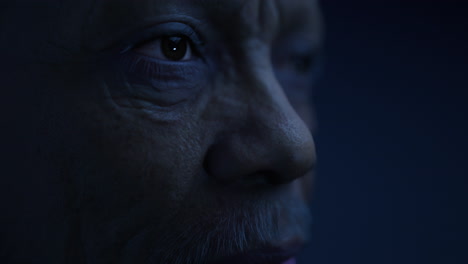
(171,131)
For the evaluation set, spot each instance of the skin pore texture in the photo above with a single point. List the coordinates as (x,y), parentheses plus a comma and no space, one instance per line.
(147,158)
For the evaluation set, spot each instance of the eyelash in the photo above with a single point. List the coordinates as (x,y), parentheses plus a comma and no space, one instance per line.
(184,31)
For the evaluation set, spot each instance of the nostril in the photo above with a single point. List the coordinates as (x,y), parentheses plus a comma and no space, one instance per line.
(256,181)
(260,179)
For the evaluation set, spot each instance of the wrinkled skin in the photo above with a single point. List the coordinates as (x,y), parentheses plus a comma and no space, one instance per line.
(152,160)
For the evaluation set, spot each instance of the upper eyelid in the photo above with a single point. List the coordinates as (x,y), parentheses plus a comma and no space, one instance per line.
(162,30)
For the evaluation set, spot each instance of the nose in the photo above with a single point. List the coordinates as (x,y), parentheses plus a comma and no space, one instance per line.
(273,145)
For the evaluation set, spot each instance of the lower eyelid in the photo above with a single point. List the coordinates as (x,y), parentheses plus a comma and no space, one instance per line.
(133,62)
(162,76)
(144,80)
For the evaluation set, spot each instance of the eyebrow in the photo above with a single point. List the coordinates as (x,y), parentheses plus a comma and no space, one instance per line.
(221,5)
(208,3)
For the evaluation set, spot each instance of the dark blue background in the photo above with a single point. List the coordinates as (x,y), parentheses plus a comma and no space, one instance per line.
(392,138)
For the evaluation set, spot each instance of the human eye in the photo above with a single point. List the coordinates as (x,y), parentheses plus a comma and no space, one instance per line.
(170,48)
(296,63)
(171,41)
(303,63)
(299,61)
(167,55)
(163,63)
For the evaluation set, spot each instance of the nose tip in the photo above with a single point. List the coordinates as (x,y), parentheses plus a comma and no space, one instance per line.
(276,152)
(291,149)
(294,160)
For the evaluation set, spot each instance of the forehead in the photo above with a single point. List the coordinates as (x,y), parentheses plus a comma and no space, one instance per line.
(113,18)
(207,7)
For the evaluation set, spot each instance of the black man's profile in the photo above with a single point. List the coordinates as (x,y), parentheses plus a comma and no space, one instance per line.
(170,131)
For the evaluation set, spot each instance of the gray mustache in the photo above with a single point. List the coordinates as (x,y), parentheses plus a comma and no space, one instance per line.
(230,232)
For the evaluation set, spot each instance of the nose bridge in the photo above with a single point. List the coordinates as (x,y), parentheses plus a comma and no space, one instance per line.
(267,101)
(258,78)
(277,126)
(260,18)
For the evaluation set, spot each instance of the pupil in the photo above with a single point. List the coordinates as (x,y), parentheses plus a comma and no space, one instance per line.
(174,48)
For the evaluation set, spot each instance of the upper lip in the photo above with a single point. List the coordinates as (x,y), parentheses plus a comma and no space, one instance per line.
(269,255)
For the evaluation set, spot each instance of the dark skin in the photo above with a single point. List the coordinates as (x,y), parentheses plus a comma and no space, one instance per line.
(176,131)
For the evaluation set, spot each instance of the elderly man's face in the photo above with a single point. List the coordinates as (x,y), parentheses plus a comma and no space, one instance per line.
(181,129)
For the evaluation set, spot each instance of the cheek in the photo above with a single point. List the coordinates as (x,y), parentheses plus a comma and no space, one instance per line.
(138,161)
(134,168)
(134,153)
